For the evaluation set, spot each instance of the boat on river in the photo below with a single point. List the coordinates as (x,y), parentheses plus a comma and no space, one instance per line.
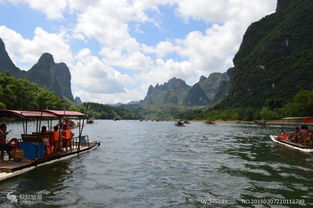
(288,139)
(179,123)
(210,122)
(35,147)
(90,121)
(293,145)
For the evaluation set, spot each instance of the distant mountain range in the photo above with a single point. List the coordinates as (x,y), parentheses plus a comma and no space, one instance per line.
(207,91)
(46,73)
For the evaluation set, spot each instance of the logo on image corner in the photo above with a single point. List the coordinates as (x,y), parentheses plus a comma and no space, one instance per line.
(12,197)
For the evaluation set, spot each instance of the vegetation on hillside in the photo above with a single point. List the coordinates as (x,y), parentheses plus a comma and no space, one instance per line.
(21,94)
(300,105)
(275,58)
(159,112)
(101,111)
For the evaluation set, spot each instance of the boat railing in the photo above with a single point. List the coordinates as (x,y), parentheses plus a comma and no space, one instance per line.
(82,141)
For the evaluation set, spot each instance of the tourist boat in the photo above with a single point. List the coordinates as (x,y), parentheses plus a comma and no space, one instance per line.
(179,123)
(33,145)
(293,145)
(186,122)
(298,146)
(90,120)
(210,122)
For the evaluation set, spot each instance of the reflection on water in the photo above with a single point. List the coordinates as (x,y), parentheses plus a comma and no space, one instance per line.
(156,164)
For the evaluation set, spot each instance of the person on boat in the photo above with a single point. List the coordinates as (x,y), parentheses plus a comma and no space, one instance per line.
(309,139)
(283,135)
(303,134)
(3,145)
(294,136)
(67,136)
(304,129)
(43,129)
(56,139)
(46,138)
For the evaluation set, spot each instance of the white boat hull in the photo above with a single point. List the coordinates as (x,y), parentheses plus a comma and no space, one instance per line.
(292,145)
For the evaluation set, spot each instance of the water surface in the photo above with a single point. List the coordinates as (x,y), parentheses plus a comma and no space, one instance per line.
(156,164)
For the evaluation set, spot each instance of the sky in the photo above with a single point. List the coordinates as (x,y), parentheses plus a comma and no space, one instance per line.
(116,49)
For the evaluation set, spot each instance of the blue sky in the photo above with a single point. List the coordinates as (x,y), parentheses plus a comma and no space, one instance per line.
(115,50)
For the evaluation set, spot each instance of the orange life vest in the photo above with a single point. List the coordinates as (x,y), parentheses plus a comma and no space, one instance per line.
(56,136)
(67,133)
(283,136)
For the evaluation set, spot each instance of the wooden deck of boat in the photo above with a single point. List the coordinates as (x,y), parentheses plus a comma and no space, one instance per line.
(11,166)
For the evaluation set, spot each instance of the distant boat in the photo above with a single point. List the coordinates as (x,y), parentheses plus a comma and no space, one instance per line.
(117,118)
(90,121)
(179,123)
(186,122)
(210,122)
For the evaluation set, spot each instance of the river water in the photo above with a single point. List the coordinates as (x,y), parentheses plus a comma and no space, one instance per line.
(156,164)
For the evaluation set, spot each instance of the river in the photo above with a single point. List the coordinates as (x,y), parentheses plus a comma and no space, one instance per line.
(156,164)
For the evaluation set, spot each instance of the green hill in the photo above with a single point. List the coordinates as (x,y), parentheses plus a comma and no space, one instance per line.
(275,59)
(100,111)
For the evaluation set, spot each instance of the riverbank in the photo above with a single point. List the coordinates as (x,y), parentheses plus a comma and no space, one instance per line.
(270,122)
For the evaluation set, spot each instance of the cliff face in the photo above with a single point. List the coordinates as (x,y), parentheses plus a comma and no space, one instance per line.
(209,90)
(172,91)
(46,73)
(275,59)
(285,4)
(216,86)
(196,96)
(54,76)
(6,64)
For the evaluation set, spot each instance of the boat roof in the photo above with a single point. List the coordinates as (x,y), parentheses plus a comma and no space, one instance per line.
(25,114)
(306,119)
(62,113)
(39,113)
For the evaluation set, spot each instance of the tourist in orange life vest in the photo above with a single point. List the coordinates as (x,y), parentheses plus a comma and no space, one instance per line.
(283,135)
(56,139)
(67,136)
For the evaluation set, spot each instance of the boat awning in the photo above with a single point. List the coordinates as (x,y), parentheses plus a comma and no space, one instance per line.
(25,114)
(60,113)
(305,119)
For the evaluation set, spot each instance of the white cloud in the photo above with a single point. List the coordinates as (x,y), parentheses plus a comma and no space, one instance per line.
(123,97)
(52,9)
(26,52)
(91,75)
(131,61)
(225,10)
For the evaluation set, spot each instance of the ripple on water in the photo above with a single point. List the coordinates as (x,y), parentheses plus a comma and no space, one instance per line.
(156,164)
